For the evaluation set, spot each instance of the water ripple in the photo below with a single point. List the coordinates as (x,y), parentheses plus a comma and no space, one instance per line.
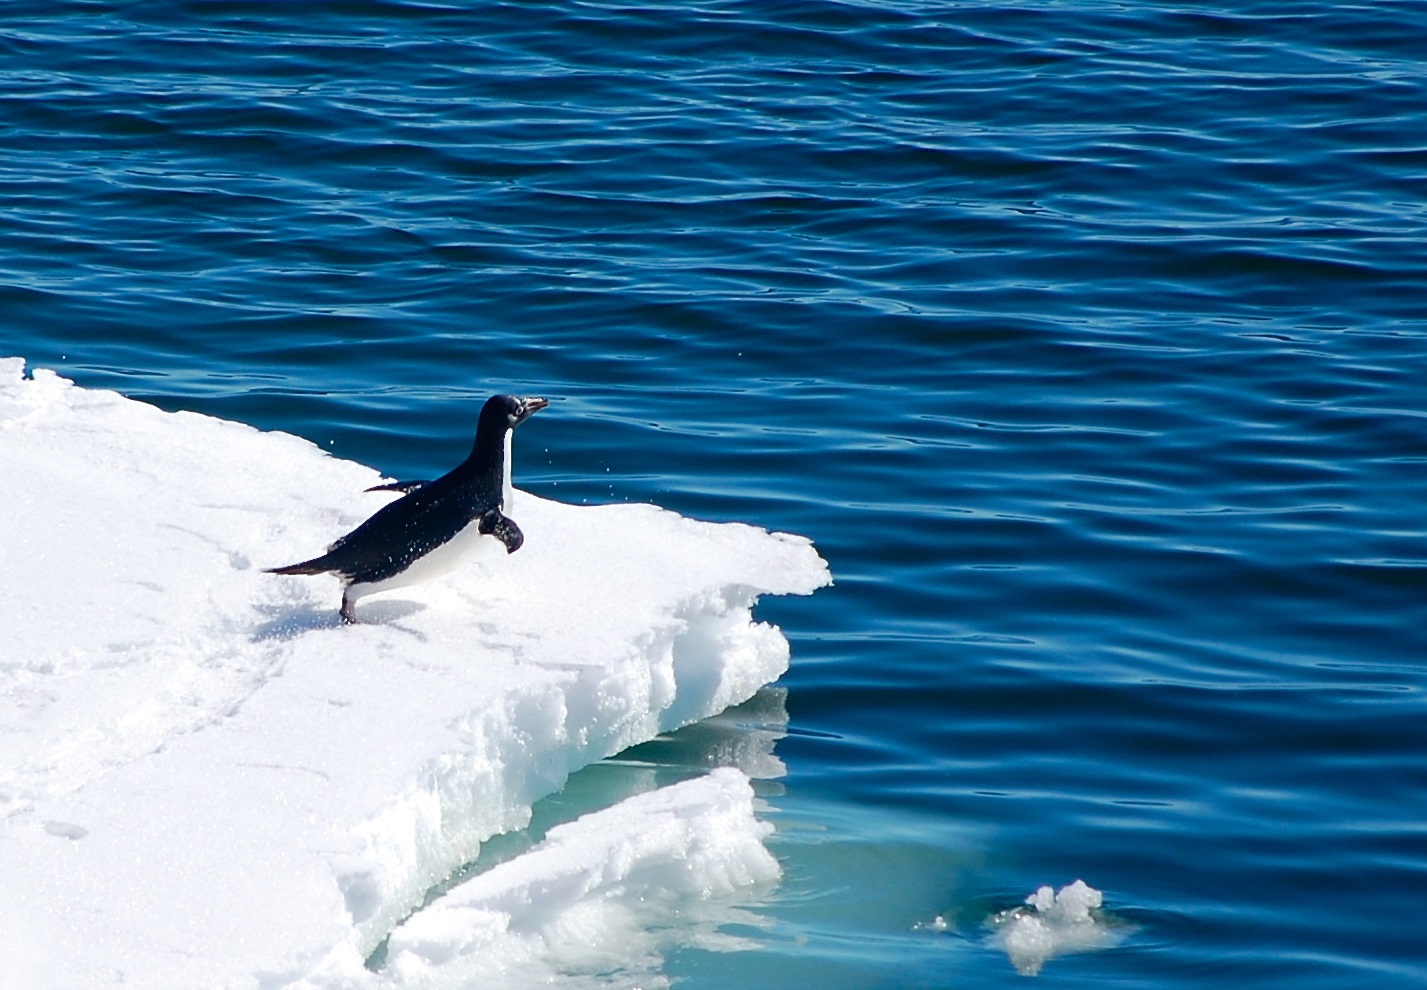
(1084,339)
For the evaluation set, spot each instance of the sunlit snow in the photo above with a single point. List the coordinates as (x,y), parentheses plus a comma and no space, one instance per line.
(207,780)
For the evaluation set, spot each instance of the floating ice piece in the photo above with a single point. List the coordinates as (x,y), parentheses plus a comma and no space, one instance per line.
(597,896)
(1054,924)
(206,780)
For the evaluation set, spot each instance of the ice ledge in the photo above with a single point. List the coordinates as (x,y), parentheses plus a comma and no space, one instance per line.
(521,744)
(208,782)
(591,897)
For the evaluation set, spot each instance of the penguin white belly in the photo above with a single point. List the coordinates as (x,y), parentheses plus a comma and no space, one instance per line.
(507,491)
(466,545)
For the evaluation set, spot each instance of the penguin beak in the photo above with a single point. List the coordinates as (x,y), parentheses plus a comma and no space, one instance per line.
(529,407)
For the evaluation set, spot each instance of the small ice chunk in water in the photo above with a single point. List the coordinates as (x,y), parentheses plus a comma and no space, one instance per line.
(1053,924)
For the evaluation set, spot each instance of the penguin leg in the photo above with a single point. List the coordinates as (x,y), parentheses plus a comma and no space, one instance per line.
(349,610)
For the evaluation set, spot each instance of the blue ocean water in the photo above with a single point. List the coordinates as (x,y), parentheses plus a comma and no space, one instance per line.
(1084,338)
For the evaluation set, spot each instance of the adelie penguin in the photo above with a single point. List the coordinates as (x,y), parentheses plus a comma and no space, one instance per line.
(436,525)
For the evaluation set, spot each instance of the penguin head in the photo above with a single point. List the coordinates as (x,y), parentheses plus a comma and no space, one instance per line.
(506,412)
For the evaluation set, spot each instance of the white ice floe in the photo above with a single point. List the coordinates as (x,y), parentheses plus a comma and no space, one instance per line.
(1053,924)
(206,780)
(597,897)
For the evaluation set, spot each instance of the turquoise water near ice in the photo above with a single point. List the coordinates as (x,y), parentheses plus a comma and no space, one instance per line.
(1085,339)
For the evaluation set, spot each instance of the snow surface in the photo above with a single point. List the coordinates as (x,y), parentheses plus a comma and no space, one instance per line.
(206,780)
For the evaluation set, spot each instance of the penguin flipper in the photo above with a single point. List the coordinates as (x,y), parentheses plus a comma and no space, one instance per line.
(406,487)
(502,527)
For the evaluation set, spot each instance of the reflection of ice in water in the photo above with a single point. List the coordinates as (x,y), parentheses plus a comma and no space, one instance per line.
(742,737)
(1053,924)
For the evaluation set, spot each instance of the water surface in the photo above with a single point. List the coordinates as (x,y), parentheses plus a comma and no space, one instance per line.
(1084,338)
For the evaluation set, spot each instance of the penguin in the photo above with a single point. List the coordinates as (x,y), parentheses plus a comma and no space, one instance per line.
(436,525)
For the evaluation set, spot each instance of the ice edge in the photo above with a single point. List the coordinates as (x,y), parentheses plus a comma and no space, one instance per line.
(523,747)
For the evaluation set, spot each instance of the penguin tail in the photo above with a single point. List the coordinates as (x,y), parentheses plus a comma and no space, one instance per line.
(314,566)
(405,487)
